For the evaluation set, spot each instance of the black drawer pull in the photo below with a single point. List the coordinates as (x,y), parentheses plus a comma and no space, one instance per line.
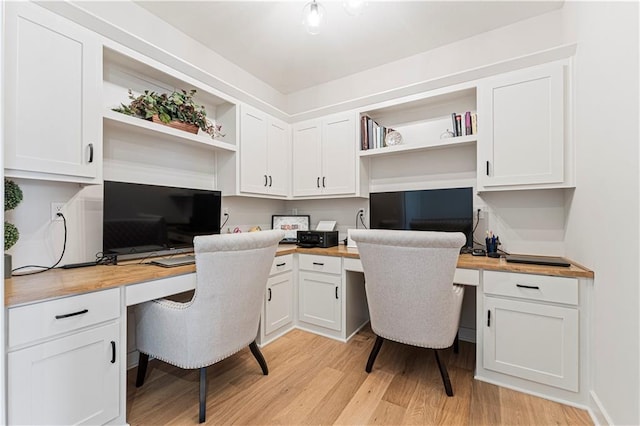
(270,181)
(533,287)
(269,298)
(336,292)
(280,264)
(323,178)
(265,180)
(113,352)
(488,318)
(487,168)
(318,263)
(318,182)
(73,314)
(90,153)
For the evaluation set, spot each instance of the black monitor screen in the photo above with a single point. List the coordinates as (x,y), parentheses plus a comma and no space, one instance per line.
(449,210)
(149,218)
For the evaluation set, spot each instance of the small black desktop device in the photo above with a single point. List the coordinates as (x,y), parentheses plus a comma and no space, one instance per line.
(322,239)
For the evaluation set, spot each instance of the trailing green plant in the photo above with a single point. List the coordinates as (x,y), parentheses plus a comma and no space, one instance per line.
(12,197)
(177,106)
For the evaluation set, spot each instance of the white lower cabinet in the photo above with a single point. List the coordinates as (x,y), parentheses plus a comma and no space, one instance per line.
(278,313)
(71,377)
(320,291)
(531,328)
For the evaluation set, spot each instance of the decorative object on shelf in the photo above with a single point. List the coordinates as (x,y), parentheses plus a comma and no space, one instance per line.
(446,134)
(177,110)
(393,138)
(12,197)
(312,17)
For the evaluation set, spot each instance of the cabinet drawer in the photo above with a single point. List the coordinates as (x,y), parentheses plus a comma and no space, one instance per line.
(328,264)
(532,287)
(41,320)
(281,264)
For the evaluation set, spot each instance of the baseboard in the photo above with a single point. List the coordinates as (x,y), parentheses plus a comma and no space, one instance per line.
(467,334)
(597,412)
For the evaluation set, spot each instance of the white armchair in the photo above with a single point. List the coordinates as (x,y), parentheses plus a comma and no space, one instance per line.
(410,290)
(224,313)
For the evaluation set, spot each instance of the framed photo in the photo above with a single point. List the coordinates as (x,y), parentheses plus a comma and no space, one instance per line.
(290,225)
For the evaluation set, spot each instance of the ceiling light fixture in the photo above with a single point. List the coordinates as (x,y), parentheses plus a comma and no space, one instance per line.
(313,16)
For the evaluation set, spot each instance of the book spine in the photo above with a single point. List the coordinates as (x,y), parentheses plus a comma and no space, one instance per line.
(370,134)
(474,124)
(454,124)
(458,125)
(363,133)
(467,123)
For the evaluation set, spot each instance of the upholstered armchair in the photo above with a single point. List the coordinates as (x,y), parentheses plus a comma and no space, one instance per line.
(410,290)
(222,317)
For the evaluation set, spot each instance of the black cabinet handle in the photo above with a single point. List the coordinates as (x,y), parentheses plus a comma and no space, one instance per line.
(318,263)
(265,180)
(90,153)
(280,264)
(270,181)
(487,168)
(318,182)
(269,298)
(73,314)
(336,292)
(113,352)
(488,318)
(534,287)
(323,178)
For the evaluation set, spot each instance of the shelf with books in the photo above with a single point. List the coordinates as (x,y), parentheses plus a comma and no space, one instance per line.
(424,121)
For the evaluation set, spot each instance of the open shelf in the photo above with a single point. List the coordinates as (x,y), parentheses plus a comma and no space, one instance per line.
(423,146)
(122,120)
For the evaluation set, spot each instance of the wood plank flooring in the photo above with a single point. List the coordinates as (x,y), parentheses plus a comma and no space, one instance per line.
(315,380)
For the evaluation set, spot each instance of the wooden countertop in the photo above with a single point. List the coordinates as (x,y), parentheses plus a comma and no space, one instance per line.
(65,282)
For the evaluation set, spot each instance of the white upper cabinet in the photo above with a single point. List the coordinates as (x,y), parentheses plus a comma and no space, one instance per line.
(523,141)
(264,153)
(324,156)
(53,81)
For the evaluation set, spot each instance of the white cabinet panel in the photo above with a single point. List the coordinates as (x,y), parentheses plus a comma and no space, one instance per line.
(53,80)
(307,158)
(71,380)
(533,341)
(320,302)
(522,139)
(279,302)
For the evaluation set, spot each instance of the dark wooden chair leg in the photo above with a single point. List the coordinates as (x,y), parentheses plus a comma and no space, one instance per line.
(203,394)
(456,345)
(374,353)
(143,360)
(444,374)
(255,350)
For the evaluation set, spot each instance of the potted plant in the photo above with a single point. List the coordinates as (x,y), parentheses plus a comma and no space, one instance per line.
(12,197)
(177,109)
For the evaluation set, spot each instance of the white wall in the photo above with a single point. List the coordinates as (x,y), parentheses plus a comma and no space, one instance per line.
(603,215)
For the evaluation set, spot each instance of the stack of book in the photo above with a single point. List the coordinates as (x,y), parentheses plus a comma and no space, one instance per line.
(372,134)
(464,125)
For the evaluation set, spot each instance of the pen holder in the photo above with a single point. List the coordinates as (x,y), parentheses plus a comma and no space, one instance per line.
(492,245)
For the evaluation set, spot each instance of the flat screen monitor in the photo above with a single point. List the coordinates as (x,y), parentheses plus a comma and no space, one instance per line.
(449,210)
(143,219)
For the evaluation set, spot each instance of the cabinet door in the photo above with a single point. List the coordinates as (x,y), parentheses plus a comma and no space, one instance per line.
(521,140)
(253,151)
(538,342)
(320,302)
(278,155)
(307,158)
(279,302)
(53,80)
(71,380)
(339,155)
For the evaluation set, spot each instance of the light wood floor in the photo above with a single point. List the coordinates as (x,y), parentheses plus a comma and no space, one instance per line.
(315,380)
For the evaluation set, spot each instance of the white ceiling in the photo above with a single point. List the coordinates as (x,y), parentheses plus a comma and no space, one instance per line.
(268,40)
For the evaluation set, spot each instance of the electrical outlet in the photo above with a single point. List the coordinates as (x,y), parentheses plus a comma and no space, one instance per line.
(225,211)
(481,212)
(55,209)
(361,212)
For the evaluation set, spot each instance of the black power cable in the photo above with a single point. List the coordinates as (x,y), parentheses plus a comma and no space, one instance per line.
(45,268)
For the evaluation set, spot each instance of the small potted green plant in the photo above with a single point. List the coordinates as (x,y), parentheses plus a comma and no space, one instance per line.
(12,197)
(171,109)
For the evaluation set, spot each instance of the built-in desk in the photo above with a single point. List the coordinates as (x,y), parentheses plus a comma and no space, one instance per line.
(532,322)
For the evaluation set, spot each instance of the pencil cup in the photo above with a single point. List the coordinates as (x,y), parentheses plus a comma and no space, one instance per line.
(492,246)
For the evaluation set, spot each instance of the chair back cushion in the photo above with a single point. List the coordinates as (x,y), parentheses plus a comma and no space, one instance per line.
(224,314)
(409,284)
